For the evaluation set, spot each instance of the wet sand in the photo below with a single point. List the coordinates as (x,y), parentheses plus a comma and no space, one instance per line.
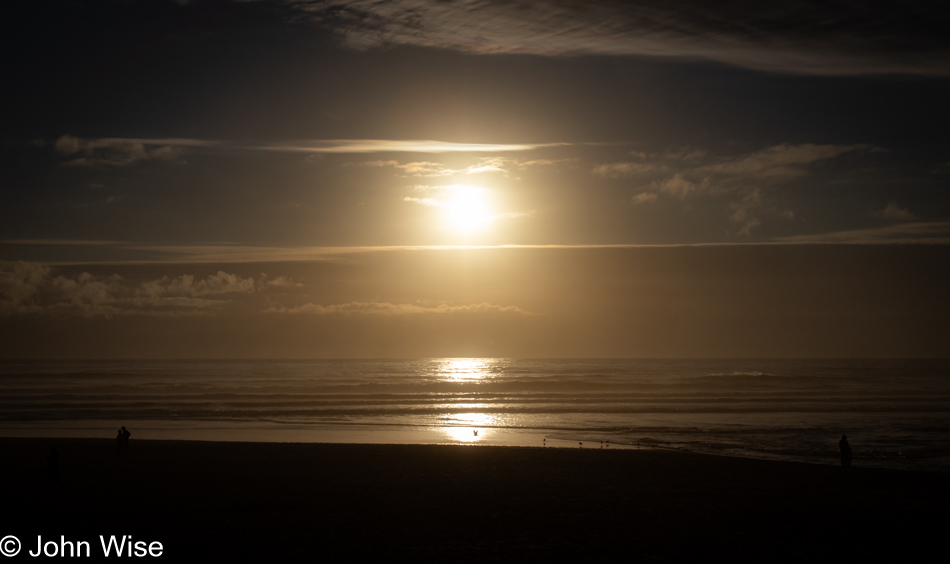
(208,501)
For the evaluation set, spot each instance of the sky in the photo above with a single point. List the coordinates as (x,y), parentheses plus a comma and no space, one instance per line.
(302,179)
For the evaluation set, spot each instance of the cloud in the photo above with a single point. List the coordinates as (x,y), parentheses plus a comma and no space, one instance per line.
(643,198)
(698,172)
(623,169)
(418,168)
(222,254)
(894,213)
(677,186)
(743,178)
(936,233)
(743,210)
(918,233)
(394,146)
(21,282)
(279,282)
(492,164)
(693,165)
(112,152)
(687,154)
(125,151)
(391,309)
(30,288)
(783,160)
(488,165)
(834,37)
(545,162)
(54,242)
(424,201)
(116,198)
(681,187)
(430,169)
(188,285)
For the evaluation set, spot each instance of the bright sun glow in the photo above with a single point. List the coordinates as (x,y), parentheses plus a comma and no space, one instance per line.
(467,208)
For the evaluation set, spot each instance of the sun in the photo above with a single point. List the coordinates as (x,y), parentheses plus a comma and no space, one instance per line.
(467,209)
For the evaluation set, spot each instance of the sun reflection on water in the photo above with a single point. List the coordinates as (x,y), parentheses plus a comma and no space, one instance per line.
(470,427)
(465,369)
(467,427)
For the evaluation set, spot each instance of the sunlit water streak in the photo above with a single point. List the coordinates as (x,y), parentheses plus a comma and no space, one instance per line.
(896,412)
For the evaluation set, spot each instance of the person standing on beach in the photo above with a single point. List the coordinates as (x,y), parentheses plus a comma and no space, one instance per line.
(125,434)
(845,451)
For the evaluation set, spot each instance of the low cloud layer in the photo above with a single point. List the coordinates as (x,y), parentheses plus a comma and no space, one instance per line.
(399,146)
(33,288)
(934,233)
(387,308)
(115,151)
(30,288)
(805,36)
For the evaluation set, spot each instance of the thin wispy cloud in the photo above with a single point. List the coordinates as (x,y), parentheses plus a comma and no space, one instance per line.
(113,151)
(56,242)
(783,160)
(805,36)
(933,233)
(430,169)
(905,233)
(394,146)
(391,309)
(424,201)
(143,253)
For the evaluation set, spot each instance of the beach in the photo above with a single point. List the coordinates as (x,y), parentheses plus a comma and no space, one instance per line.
(896,412)
(217,501)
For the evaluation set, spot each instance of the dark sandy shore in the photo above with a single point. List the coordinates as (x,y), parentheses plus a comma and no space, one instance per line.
(332,502)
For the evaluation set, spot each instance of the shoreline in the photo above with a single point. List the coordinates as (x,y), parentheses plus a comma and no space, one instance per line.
(297,501)
(311,433)
(397,434)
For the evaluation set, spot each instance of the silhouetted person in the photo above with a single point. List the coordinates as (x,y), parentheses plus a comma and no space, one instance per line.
(125,440)
(845,451)
(52,466)
(118,443)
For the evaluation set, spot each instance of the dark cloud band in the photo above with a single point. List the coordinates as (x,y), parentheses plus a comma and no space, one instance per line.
(804,36)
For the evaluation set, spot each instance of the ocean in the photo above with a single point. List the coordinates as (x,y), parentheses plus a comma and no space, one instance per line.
(896,413)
